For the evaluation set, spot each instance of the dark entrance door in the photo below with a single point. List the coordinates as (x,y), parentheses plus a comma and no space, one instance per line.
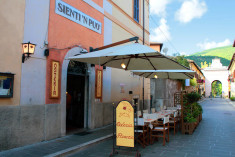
(75,96)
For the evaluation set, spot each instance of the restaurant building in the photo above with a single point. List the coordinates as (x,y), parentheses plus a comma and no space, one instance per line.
(231,78)
(51,95)
(199,77)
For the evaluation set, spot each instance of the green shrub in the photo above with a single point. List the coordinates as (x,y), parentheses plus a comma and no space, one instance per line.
(193,82)
(200,108)
(232,98)
(189,118)
(192,97)
(191,112)
(196,109)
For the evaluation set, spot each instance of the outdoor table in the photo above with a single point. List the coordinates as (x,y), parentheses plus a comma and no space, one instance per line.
(164,113)
(160,115)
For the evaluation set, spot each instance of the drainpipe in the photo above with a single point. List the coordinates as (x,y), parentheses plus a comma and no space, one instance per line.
(143,44)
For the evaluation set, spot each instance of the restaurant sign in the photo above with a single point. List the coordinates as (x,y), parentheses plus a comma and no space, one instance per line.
(125,124)
(77,16)
(55,79)
(98,84)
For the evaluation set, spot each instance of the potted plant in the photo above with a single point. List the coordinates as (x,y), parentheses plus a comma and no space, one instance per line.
(192,111)
(189,124)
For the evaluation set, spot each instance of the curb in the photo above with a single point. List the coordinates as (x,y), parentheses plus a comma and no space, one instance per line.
(202,100)
(231,103)
(74,149)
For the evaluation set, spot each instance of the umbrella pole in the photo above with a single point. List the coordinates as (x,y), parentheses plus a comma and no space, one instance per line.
(143,95)
(143,44)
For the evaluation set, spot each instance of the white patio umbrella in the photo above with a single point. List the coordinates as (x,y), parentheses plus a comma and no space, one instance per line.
(129,57)
(133,56)
(165,74)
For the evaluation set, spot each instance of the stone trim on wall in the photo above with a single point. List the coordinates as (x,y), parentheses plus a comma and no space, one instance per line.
(24,125)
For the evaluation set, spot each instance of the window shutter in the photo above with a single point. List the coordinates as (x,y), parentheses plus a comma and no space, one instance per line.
(136,10)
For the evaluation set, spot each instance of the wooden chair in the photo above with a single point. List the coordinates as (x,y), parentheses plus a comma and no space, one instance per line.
(153,110)
(178,106)
(142,132)
(162,128)
(145,111)
(174,121)
(164,107)
(179,117)
(139,113)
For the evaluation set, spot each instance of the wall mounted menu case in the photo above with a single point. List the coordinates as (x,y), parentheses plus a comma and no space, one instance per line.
(6,85)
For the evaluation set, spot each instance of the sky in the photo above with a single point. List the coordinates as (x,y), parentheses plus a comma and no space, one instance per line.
(189,26)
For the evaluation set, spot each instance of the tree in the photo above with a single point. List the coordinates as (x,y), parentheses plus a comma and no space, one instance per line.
(216,88)
(176,54)
(181,60)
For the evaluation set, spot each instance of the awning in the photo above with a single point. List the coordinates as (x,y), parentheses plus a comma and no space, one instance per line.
(166,74)
(135,56)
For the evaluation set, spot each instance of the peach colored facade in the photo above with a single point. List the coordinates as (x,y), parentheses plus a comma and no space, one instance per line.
(156,46)
(66,33)
(124,25)
(10,44)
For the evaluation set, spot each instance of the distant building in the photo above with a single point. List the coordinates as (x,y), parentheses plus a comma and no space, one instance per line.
(200,79)
(231,78)
(216,72)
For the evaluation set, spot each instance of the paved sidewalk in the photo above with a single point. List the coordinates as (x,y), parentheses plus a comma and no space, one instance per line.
(61,146)
(231,102)
(214,137)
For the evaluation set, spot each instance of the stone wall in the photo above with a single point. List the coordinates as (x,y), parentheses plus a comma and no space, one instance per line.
(103,115)
(190,89)
(24,125)
(162,91)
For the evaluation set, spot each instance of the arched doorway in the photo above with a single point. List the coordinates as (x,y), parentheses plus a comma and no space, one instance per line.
(216,89)
(75,96)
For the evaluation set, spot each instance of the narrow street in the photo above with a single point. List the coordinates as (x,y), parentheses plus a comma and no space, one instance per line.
(214,137)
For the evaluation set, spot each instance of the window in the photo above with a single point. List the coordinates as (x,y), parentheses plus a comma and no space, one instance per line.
(6,85)
(136,10)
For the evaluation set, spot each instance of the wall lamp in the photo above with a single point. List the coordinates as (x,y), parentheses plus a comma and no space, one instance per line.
(27,50)
(83,51)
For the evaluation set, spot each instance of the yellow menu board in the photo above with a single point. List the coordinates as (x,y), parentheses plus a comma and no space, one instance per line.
(55,79)
(99,82)
(125,124)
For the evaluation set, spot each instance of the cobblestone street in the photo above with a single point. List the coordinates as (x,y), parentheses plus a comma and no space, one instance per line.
(214,137)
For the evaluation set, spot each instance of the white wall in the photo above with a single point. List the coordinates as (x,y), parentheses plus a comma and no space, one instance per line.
(107,40)
(34,69)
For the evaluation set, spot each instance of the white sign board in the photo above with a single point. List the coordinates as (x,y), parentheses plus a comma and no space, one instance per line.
(73,14)
(187,82)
